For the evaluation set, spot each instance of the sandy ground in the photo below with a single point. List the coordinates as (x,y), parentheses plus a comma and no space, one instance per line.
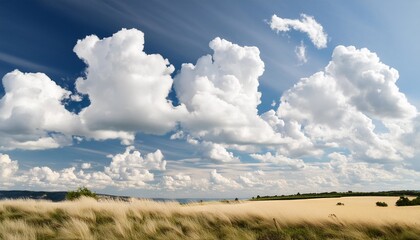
(356,209)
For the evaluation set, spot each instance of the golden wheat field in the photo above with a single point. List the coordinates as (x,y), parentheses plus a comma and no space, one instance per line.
(87,218)
(355,209)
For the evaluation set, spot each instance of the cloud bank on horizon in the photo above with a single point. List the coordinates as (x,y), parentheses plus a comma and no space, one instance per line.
(346,124)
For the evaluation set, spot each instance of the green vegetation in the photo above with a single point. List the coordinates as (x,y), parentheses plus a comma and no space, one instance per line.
(404,201)
(89,219)
(336,195)
(80,192)
(381,204)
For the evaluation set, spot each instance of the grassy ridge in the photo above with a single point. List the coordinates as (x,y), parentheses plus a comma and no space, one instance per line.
(337,195)
(89,219)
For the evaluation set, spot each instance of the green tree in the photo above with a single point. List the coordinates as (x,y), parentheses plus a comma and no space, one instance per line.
(403,201)
(81,191)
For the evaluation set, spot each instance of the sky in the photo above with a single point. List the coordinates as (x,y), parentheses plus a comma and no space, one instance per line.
(204,99)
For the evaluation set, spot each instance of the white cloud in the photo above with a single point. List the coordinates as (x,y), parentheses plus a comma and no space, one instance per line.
(31,113)
(126,170)
(368,84)
(253,179)
(127,88)
(289,163)
(176,182)
(307,24)
(67,178)
(338,106)
(341,107)
(8,168)
(219,153)
(86,165)
(130,169)
(221,95)
(341,171)
(43,176)
(301,53)
(177,135)
(221,183)
(76,98)
(258,180)
(350,172)
(273,103)
(213,151)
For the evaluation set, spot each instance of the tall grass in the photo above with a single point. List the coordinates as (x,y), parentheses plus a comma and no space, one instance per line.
(91,219)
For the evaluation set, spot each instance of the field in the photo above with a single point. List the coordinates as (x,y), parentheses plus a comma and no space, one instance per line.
(359,218)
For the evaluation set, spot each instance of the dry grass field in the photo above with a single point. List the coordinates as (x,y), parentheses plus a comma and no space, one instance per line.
(359,218)
(355,210)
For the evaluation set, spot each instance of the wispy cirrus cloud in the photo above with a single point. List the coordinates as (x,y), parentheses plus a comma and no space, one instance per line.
(300,52)
(23,63)
(307,24)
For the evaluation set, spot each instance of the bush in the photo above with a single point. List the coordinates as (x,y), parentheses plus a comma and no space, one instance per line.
(340,204)
(416,201)
(81,191)
(403,201)
(381,204)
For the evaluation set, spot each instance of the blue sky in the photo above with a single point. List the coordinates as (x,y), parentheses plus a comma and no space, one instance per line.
(350,126)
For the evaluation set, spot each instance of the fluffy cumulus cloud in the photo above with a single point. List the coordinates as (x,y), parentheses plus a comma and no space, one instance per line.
(368,84)
(176,182)
(32,115)
(288,163)
(67,178)
(307,24)
(127,87)
(214,151)
(221,95)
(350,172)
(131,169)
(8,168)
(126,170)
(353,106)
(340,105)
(222,183)
(338,171)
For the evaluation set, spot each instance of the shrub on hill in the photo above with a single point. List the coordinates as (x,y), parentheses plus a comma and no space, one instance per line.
(381,204)
(80,192)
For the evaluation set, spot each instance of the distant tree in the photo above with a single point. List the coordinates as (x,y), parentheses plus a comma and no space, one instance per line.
(381,204)
(258,196)
(298,194)
(80,192)
(236,199)
(416,201)
(403,201)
